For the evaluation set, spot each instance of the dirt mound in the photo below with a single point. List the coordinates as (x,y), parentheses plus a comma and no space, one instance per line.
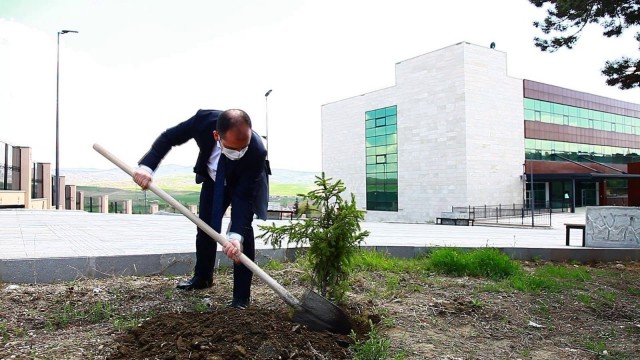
(228,333)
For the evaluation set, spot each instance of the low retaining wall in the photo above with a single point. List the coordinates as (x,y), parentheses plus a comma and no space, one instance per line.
(54,270)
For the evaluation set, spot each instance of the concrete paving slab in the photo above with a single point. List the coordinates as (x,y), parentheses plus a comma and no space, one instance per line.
(50,245)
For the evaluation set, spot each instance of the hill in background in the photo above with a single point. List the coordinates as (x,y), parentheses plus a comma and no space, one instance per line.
(181,178)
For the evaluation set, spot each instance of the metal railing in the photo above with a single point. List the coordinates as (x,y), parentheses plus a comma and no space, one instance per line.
(511,214)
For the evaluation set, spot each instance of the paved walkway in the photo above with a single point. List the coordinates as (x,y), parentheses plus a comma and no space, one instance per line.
(50,246)
(33,234)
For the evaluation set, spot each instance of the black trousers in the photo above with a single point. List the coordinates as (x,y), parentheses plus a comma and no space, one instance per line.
(206,247)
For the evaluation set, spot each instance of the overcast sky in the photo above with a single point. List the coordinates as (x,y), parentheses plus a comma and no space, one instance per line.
(137,67)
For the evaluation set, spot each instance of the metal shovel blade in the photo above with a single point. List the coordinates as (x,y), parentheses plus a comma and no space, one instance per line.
(320,314)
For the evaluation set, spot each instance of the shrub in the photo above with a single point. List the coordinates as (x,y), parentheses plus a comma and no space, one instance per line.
(487,263)
(333,236)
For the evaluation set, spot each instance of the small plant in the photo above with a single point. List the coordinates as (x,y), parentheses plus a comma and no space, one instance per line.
(96,313)
(596,346)
(199,306)
(477,303)
(48,326)
(392,284)
(388,321)
(632,330)
(495,287)
(4,331)
(585,299)
(100,311)
(168,293)
(375,347)
(607,334)
(608,297)
(64,316)
(333,236)
(633,291)
(525,352)
(543,308)
(273,265)
(129,321)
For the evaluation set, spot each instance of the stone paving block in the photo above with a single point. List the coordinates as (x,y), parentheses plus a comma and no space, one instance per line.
(49,246)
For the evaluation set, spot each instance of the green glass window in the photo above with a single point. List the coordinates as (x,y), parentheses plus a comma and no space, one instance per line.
(528,115)
(566,115)
(545,106)
(381,139)
(528,104)
(536,149)
(391,119)
(573,121)
(537,116)
(369,115)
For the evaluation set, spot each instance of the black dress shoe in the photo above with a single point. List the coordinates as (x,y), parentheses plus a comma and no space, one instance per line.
(240,304)
(194,283)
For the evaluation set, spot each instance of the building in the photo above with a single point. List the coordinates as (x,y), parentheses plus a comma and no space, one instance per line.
(25,184)
(456,130)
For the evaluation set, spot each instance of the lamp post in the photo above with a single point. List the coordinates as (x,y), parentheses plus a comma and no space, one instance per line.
(57,181)
(266,116)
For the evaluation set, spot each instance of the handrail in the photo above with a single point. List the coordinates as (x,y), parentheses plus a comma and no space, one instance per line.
(575,162)
(601,164)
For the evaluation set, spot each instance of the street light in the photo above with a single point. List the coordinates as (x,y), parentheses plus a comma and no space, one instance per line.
(266,117)
(57,181)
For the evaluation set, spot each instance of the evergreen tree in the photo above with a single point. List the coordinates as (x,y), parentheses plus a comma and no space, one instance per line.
(333,237)
(566,19)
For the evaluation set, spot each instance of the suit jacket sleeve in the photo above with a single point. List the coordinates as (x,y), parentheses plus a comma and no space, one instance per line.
(171,137)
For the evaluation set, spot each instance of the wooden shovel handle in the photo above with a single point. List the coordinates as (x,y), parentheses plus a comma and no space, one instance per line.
(281,291)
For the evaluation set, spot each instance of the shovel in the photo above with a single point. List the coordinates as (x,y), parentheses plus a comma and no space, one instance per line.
(316,312)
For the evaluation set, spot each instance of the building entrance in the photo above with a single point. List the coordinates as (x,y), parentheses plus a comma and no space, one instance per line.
(587,194)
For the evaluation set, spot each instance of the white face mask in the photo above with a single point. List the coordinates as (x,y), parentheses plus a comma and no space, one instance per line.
(233,154)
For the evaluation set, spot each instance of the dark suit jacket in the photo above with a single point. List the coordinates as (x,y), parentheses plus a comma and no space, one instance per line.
(245,178)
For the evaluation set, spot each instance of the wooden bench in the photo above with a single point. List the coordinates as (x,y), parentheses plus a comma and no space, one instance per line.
(570,226)
(455,221)
(280,214)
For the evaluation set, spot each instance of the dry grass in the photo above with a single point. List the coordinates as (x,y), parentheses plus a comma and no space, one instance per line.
(425,316)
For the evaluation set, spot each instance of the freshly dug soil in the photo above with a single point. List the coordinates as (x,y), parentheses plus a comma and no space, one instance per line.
(228,334)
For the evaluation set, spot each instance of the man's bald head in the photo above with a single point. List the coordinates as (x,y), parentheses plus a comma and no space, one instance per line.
(234,128)
(236,121)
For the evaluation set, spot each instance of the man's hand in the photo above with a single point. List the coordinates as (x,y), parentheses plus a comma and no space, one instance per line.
(142,178)
(233,249)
